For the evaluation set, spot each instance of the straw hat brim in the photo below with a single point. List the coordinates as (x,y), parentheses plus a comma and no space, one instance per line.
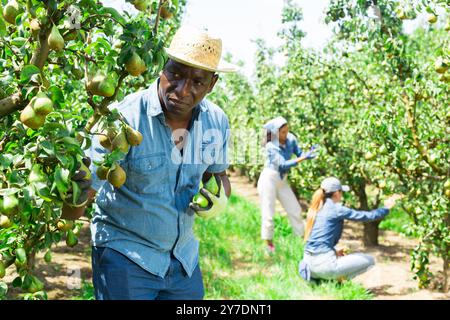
(223,66)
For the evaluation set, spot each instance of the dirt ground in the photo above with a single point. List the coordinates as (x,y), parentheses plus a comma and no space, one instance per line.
(391,277)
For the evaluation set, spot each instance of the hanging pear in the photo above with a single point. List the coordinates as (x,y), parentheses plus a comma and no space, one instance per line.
(135,65)
(31,119)
(55,40)
(117,177)
(101,85)
(134,137)
(141,5)
(120,142)
(42,105)
(11,11)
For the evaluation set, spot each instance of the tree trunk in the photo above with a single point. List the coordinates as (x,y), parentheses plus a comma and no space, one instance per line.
(370,237)
(371,233)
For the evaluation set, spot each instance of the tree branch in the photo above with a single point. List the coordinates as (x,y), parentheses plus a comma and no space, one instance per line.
(158,16)
(10,104)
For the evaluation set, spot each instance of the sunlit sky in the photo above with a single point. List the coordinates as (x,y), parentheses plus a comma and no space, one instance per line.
(239,22)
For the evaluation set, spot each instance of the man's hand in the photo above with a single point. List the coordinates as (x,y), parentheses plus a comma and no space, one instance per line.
(211,200)
(82,178)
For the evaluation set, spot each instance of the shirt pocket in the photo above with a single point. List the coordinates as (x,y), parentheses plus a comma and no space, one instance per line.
(148,174)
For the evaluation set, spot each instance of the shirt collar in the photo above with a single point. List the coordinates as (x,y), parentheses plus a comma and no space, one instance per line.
(155,107)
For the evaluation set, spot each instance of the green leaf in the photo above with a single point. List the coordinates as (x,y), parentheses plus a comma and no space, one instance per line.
(49,148)
(63,159)
(62,180)
(2,28)
(56,94)
(8,191)
(5,162)
(27,72)
(76,191)
(3,289)
(16,179)
(19,41)
(17,282)
(114,13)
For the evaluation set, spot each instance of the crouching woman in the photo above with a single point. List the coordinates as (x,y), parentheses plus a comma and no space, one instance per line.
(324,229)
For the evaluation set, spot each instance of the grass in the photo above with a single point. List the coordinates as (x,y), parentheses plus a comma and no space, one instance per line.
(235,265)
(86,292)
(397,221)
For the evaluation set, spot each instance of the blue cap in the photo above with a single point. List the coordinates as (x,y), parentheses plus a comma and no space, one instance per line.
(333,184)
(275,124)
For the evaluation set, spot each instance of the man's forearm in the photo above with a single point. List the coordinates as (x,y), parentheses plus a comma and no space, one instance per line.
(226,184)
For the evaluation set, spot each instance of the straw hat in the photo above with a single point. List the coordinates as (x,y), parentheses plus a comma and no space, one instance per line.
(198,49)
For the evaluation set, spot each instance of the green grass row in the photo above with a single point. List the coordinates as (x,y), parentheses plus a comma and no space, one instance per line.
(235,265)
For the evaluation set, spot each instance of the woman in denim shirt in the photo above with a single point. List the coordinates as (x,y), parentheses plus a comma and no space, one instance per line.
(324,229)
(272,183)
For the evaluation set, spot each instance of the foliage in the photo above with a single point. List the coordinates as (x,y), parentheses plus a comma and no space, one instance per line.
(375,100)
(79,56)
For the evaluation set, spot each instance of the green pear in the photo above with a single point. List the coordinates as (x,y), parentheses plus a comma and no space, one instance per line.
(431,18)
(166,13)
(42,105)
(48,256)
(10,204)
(21,257)
(5,222)
(212,185)
(2,270)
(101,85)
(120,142)
(135,65)
(117,177)
(141,5)
(35,27)
(77,73)
(102,172)
(106,88)
(200,200)
(55,40)
(134,137)
(31,119)
(10,11)
(71,239)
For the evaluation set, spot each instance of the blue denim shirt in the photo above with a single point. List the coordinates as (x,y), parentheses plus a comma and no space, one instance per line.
(148,218)
(279,156)
(329,222)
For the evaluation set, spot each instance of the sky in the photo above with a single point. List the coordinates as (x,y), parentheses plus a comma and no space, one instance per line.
(239,22)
